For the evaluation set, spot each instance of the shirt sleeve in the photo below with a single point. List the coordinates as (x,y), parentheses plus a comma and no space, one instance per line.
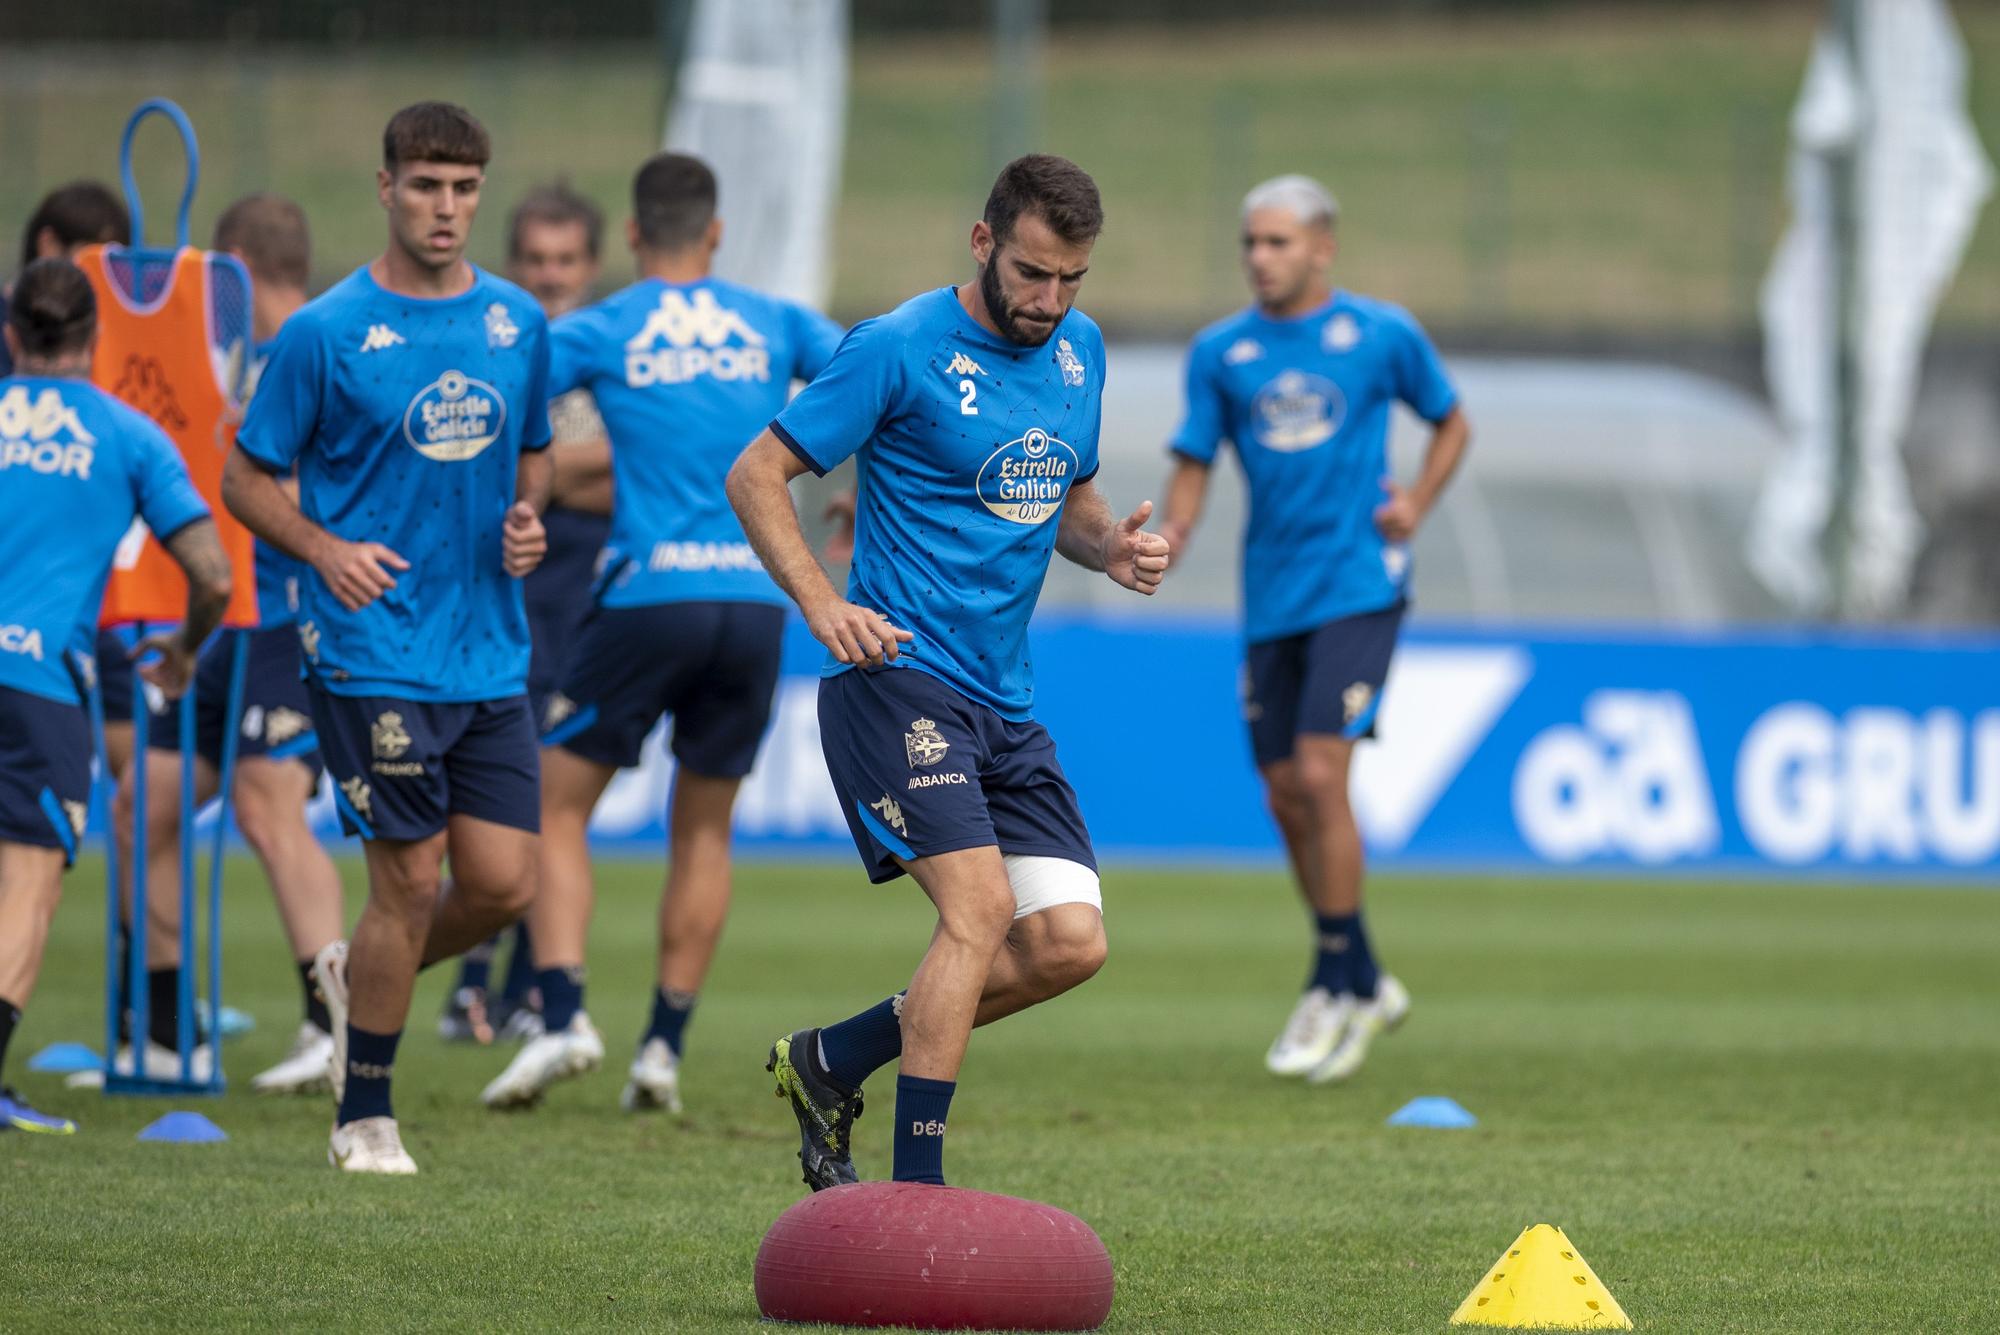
(284,413)
(572,339)
(814,336)
(536,432)
(1203,423)
(841,409)
(162,492)
(1421,380)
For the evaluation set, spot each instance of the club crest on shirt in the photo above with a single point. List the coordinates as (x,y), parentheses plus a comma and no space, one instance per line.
(1066,358)
(924,743)
(1297,411)
(1026,479)
(454,418)
(501,331)
(1340,333)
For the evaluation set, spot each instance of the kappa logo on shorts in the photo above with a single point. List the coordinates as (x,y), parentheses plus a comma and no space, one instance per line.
(358,796)
(1354,700)
(557,711)
(282,724)
(78,813)
(891,814)
(924,743)
(309,640)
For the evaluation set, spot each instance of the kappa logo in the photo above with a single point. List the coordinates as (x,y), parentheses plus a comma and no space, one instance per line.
(1242,351)
(44,434)
(924,743)
(700,337)
(891,813)
(1354,700)
(309,640)
(381,336)
(501,331)
(145,386)
(454,418)
(557,711)
(1340,333)
(1066,358)
(282,724)
(358,796)
(78,813)
(960,364)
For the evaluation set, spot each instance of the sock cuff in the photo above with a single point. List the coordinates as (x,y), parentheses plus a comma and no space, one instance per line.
(917,1084)
(373,1049)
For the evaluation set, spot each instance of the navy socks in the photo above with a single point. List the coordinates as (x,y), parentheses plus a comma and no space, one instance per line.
(670,1016)
(1344,963)
(856,1048)
(371,1059)
(562,996)
(921,1108)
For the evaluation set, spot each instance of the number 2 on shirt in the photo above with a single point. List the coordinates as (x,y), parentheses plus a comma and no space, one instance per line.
(968,392)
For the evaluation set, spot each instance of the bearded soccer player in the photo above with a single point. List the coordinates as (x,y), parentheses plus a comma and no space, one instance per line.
(973,413)
(554,240)
(1301,386)
(76,465)
(412,399)
(277,765)
(685,367)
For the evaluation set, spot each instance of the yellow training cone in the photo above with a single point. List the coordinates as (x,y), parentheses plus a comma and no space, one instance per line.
(1541,1281)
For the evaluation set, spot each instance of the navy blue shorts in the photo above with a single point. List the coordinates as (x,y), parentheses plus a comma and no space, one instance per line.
(921,769)
(44,771)
(402,767)
(712,665)
(557,597)
(1326,681)
(115,674)
(277,716)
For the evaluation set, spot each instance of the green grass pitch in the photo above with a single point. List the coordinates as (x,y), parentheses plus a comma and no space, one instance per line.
(1754,1108)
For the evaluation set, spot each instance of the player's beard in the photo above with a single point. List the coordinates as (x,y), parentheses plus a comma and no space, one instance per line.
(1003,311)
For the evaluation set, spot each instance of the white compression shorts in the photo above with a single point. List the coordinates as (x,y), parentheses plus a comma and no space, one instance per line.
(1043,883)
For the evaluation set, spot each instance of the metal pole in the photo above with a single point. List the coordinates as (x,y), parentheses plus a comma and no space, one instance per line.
(1020,29)
(1848,321)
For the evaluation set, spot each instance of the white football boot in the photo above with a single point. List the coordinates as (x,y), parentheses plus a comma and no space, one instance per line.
(330,974)
(1317,1023)
(162,1063)
(654,1079)
(542,1061)
(304,1069)
(370,1145)
(1378,1015)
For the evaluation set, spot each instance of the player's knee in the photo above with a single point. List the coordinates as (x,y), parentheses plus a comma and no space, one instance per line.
(259,819)
(1074,955)
(978,914)
(1322,781)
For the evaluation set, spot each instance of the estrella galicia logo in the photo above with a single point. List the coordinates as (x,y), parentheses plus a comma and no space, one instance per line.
(1297,411)
(454,417)
(1026,479)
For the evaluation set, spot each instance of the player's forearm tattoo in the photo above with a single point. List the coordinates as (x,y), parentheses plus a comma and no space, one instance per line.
(198,550)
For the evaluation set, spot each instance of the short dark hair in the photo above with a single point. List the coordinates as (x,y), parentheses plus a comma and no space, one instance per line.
(79,213)
(269,231)
(673,199)
(52,309)
(1053,189)
(435,132)
(556,205)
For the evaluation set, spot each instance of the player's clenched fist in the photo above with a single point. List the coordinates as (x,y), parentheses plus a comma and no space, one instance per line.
(358,572)
(523,540)
(172,670)
(1134,558)
(1396,519)
(855,634)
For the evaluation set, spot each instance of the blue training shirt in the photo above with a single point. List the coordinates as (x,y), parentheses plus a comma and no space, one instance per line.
(277,574)
(685,375)
(968,445)
(75,466)
(406,418)
(1305,402)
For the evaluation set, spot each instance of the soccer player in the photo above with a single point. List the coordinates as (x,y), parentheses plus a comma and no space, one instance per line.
(554,240)
(412,398)
(974,413)
(685,368)
(277,765)
(1301,385)
(75,466)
